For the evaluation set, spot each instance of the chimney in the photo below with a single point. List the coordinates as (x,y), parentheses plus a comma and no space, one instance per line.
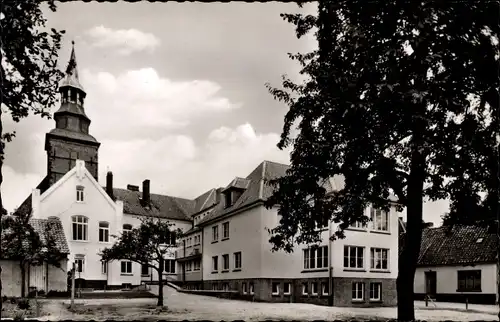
(218,194)
(109,185)
(132,187)
(146,196)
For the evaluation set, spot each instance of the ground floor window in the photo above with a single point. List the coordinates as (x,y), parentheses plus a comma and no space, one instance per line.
(104,267)
(375,291)
(469,281)
(79,263)
(287,289)
(145,269)
(251,288)
(305,289)
(276,288)
(126,267)
(358,289)
(214,287)
(244,288)
(169,266)
(325,289)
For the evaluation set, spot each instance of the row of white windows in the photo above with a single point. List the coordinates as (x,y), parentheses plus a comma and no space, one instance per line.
(80,229)
(317,258)
(379,220)
(225,262)
(197,241)
(193,265)
(358,289)
(225,232)
(125,266)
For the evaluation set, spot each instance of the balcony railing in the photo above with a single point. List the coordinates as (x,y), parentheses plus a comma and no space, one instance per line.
(188,251)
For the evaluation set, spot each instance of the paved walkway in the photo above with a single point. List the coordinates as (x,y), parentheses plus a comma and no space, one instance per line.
(492,309)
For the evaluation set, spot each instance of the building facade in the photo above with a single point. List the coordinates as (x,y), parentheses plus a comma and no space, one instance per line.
(458,265)
(91,214)
(236,254)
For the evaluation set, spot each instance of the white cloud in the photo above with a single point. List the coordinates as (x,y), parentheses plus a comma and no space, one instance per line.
(16,187)
(142,98)
(125,41)
(176,166)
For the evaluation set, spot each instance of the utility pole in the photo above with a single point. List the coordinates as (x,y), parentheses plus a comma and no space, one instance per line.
(73,286)
(330,268)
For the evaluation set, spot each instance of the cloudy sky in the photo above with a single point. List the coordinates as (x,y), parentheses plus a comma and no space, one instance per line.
(175,92)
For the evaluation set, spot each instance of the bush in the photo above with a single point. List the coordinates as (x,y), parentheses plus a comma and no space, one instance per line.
(19,316)
(53,293)
(23,304)
(5,298)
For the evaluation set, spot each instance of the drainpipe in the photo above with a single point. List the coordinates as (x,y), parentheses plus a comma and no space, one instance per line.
(330,268)
(184,262)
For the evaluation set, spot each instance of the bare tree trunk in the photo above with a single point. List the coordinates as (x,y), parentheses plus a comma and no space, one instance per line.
(160,283)
(414,212)
(1,201)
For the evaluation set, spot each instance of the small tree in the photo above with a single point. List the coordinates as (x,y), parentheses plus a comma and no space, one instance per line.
(21,242)
(147,244)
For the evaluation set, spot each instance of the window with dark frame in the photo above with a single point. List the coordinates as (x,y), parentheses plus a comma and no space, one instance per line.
(244,288)
(225,262)
(215,263)
(144,269)
(287,289)
(215,233)
(469,281)
(126,267)
(225,230)
(237,260)
(314,288)
(325,288)
(103,232)
(169,266)
(79,263)
(305,288)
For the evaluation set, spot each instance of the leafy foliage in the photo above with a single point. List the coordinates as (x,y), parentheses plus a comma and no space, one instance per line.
(28,72)
(148,244)
(21,242)
(400,99)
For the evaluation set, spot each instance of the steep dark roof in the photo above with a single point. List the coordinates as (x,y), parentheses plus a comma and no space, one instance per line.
(256,188)
(160,206)
(206,200)
(25,208)
(463,245)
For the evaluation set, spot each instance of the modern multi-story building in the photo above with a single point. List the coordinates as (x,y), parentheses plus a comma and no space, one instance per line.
(228,249)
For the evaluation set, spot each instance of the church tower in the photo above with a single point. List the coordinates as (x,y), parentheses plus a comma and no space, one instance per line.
(70,139)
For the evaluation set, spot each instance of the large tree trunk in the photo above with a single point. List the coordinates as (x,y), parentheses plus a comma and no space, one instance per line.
(408,260)
(160,283)
(1,202)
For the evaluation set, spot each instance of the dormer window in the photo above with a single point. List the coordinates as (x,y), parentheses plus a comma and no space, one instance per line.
(79,194)
(227,199)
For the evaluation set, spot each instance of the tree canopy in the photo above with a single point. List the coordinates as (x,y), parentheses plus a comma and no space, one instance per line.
(400,97)
(28,72)
(148,244)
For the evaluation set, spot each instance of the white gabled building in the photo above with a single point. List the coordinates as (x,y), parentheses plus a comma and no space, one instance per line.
(91,214)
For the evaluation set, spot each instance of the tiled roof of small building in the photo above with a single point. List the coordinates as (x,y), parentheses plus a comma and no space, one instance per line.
(55,229)
(51,226)
(462,245)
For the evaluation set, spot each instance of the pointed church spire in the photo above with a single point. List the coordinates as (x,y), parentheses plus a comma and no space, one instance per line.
(71,77)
